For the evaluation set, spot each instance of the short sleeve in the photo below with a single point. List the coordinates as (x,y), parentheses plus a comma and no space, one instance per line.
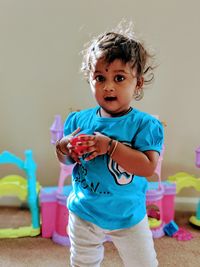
(70,124)
(150,136)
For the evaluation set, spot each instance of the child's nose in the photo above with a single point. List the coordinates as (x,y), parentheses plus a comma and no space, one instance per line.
(109,86)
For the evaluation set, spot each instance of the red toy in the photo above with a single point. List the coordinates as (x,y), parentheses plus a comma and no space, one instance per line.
(75,140)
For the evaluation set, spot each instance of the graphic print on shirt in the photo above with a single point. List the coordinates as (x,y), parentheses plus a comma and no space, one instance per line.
(92,186)
(120,175)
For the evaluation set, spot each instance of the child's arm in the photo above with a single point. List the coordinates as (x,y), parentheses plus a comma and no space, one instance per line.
(134,161)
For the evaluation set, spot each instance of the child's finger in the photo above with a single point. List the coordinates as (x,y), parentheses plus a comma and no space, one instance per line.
(92,156)
(76,131)
(75,156)
(86,143)
(86,137)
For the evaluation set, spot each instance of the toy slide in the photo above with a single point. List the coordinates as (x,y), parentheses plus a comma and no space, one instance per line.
(25,189)
(184,180)
(14,185)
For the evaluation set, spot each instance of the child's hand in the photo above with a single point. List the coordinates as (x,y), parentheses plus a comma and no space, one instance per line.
(96,145)
(65,147)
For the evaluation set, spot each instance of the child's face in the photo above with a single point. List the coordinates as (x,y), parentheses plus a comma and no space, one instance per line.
(113,85)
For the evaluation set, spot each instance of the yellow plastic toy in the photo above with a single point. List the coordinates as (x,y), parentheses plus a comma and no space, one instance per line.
(24,189)
(184,180)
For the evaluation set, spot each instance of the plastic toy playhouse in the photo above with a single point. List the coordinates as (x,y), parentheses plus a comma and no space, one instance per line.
(26,189)
(160,202)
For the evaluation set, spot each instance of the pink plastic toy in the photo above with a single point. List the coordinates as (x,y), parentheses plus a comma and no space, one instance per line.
(168,202)
(160,200)
(159,164)
(54,212)
(183,235)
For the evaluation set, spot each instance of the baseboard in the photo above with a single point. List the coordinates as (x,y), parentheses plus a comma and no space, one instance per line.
(186,203)
(10,202)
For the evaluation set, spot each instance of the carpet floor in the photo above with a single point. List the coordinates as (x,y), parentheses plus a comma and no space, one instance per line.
(38,251)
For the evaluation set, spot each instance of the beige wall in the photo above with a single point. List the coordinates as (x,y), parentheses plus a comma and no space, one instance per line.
(40,42)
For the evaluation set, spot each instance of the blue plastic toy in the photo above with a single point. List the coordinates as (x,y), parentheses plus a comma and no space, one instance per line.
(171,228)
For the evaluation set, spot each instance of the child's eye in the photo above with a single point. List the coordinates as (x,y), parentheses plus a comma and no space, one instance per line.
(100,78)
(119,78)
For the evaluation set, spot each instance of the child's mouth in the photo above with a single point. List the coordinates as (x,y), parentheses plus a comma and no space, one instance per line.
(110,98)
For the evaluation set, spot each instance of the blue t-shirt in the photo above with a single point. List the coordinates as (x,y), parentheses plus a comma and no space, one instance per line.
(103,192)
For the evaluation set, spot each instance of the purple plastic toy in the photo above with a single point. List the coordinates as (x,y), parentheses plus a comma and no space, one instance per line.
(198,157)
(56,129)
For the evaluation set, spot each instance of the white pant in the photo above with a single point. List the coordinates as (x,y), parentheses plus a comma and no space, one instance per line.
(135,244)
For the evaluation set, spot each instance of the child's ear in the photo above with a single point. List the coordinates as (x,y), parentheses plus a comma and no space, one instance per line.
(138,92)
(140,82)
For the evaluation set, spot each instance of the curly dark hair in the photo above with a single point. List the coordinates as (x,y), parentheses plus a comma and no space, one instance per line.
(112,45)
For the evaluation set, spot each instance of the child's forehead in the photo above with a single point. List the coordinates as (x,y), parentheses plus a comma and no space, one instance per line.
(117,64)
